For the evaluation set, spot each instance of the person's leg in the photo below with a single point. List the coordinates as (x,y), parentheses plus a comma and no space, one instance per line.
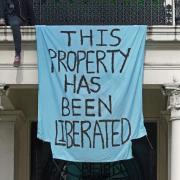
(144,154)
(15,22)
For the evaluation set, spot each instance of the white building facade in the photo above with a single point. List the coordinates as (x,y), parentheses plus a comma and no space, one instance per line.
(19,90)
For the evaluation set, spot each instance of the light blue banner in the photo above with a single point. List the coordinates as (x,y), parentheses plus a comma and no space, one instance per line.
(90,90)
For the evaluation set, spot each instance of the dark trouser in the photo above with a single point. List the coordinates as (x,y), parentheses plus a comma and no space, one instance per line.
(44,166)
(144,155)
(15,22)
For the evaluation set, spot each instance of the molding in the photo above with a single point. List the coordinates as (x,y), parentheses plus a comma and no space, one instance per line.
(165,115)
(147,66)
(154,33)
(162,149)
(5,102)
(9,116)
(172,91)
(162,67)
(153,74)
(149,119)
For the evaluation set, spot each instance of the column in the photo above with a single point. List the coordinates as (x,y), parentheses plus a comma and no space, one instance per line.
(173,92)
(6,149)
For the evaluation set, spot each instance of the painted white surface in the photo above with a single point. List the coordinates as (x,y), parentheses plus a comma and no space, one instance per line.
(6,150)
(162,66)
(175,150)
(162,58)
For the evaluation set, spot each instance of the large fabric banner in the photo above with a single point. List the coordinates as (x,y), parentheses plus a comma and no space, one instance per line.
(90,90)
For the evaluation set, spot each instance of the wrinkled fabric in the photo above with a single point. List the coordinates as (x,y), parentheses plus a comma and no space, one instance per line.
(90,90)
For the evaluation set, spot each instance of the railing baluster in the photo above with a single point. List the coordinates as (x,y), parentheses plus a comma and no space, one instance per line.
(150,12)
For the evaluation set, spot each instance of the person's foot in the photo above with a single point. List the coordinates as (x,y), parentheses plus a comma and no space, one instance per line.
(17,61)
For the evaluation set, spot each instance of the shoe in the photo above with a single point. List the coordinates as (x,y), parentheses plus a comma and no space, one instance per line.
(17,61)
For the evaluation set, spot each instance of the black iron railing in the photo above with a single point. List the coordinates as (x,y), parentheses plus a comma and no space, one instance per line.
(177,7)
(150,12)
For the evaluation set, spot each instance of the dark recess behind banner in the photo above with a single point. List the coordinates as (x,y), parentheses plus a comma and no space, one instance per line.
(44,168)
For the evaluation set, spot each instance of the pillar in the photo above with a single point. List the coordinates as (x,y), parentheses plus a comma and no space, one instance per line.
(173,92)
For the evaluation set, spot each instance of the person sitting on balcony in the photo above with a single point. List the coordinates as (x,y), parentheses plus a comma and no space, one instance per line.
(17,13)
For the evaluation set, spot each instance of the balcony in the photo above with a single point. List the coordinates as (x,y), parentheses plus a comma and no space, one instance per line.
(150,12)
(163,41)
(161,63)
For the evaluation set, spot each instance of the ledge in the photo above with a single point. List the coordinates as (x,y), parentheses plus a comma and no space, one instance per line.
(28,33)
(155,33)
(162,65)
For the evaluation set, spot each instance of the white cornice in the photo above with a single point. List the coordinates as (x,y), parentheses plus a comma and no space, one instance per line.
(161,66)
(146,66)
(155,33)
